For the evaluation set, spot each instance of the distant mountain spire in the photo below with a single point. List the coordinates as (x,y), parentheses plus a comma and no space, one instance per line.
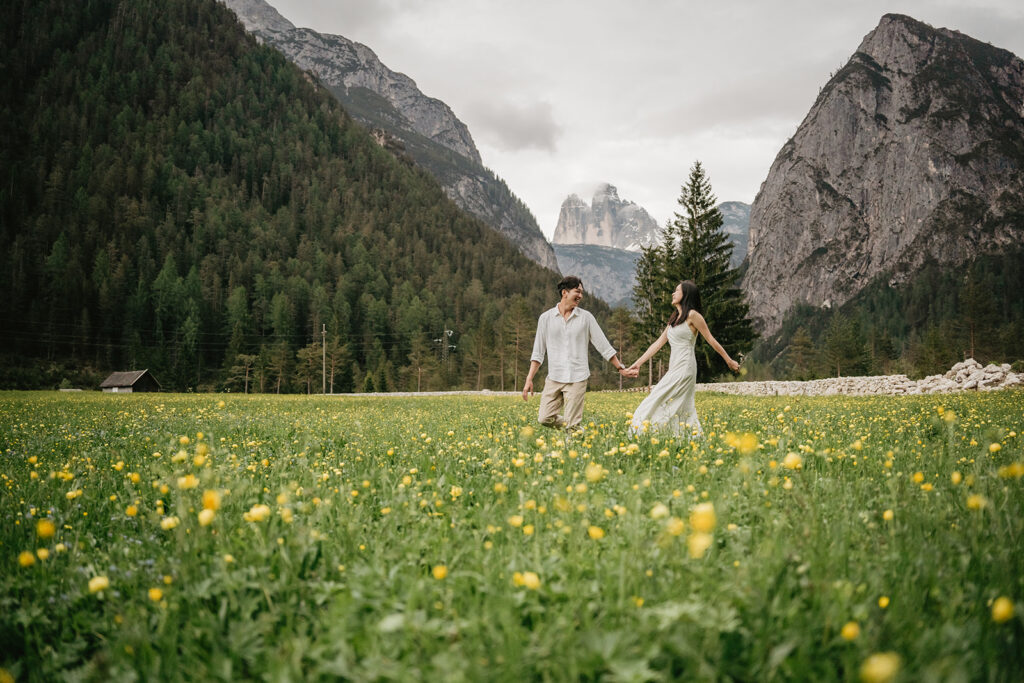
(608,221)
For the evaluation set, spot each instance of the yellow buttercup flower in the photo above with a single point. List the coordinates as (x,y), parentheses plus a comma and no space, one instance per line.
(697,544)
(257,513)
(594,472)
(98,583)
(883,601)
(659,511)
(26,559)
(850,630)
(674,526)
(206,517)
(747,443)
(45,529)
(880,667)
(168,523)
(702,517)
(515,521)
(211,500)
(1002,610)
(595,532)
(439,571)
(976,501)
(156,594)
(793,461)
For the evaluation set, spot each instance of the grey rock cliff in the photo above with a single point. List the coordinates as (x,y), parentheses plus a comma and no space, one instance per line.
(607,222)
(424,128)
(913,152)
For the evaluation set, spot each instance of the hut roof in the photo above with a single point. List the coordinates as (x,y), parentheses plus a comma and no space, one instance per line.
(126,379)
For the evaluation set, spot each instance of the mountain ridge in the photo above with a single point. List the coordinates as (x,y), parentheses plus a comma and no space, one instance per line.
(421,127)
(911,153)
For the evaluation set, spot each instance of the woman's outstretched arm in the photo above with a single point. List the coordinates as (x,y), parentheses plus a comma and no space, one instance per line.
(702,326)
(651,350)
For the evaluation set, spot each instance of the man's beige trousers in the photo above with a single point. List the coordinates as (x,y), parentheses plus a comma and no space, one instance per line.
(561,404)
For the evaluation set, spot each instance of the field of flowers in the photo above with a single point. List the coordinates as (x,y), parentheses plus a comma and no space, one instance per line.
(449,538)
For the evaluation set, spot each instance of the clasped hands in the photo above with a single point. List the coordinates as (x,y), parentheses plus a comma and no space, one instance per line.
(631,371)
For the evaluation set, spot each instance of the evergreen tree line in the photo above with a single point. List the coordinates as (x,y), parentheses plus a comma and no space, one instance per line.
(174,196)
(922,327)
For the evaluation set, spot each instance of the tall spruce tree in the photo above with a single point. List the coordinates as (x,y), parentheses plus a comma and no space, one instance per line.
(694,247)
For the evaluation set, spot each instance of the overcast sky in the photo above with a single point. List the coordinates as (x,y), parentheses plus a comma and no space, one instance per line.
(561,95)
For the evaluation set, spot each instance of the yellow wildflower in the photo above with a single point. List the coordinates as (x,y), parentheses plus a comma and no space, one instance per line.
(1002,609)
(702,517)
(697,544)
(45,529)
(880,667)
(211,500)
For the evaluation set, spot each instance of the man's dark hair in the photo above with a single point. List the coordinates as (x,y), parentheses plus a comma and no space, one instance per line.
(569,282)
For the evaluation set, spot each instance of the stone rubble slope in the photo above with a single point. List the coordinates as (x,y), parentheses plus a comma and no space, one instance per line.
(969,375)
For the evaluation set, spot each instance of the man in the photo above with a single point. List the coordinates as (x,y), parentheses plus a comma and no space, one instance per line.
(563,334)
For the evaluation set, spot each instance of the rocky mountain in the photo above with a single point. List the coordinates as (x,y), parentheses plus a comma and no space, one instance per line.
(607,222)
(736,224)
(912,154)
(407,121)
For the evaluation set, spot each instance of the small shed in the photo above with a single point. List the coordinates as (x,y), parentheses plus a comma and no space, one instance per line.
(129,382)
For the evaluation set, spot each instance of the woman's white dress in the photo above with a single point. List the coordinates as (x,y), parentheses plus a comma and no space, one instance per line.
(670,405)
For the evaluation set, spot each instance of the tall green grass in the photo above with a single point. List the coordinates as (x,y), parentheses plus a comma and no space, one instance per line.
(451,538)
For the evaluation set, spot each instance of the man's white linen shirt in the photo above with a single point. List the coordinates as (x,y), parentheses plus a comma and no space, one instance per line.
(565,341)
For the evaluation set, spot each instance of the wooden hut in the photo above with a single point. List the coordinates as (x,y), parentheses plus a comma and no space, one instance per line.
(130,382)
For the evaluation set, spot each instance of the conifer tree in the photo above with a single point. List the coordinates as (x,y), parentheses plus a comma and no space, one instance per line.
(694,247)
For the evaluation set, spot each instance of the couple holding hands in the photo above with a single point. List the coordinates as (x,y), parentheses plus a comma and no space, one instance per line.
(563,335)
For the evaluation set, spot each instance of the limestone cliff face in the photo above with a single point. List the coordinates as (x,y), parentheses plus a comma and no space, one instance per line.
(425,128)
(607,222)
(913,152)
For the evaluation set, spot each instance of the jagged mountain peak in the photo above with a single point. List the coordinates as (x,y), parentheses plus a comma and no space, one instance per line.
(605,192)
(607,221)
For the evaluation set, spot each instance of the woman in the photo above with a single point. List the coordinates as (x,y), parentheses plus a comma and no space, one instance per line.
(670,404)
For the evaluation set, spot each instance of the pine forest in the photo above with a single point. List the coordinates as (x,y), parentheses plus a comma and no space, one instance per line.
(174,196)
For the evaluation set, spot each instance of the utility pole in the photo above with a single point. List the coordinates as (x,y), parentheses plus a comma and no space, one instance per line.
(445,348)
(323,370)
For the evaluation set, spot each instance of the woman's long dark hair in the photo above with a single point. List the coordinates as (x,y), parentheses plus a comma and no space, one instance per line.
(690,302)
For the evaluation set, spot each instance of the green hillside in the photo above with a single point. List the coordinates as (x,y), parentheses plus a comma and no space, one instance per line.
(174,196)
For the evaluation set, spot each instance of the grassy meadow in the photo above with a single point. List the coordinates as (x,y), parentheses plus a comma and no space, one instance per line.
(226,537)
